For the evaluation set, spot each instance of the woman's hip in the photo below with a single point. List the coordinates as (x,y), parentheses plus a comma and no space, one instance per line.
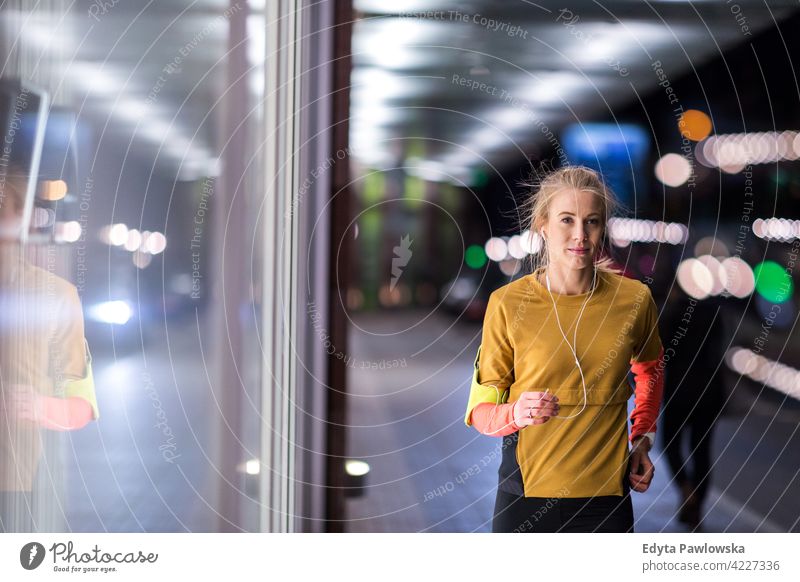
(519,514)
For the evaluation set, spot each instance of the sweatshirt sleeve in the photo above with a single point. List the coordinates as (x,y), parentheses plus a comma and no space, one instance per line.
(497,353)
(647,366)
(493,371)
(649,379)
(494,419)
(64,413)
(648,342)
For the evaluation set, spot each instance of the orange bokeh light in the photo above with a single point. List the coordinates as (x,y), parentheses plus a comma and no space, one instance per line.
(695,125)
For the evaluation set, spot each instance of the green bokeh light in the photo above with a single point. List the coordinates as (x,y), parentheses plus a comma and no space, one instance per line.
(773,283)
(475,257)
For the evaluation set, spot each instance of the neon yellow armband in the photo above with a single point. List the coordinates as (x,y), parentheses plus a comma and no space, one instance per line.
(478,393)
(84,388)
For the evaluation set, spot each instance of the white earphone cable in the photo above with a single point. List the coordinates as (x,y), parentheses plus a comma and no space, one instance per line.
(575,338)
(571,348)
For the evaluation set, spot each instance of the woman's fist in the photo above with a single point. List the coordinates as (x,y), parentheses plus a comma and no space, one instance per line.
(535,408)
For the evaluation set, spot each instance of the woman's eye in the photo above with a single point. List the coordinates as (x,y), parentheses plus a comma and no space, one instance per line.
(566,219)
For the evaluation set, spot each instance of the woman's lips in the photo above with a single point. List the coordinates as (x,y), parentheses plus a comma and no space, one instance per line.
(579,251)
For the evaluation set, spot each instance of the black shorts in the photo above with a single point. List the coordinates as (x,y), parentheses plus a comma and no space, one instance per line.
(517,514)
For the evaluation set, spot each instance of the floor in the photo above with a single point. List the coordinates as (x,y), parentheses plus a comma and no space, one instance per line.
(148,464)
(429,472)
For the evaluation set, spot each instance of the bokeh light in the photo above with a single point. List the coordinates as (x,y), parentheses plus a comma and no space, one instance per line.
(625,230)
(764,371)
(739,279)
(52,190)
(710,245)
(773,283)
(718,274)
(694,124)
(516,248)
(531,242)
(134,240)
(733,152)
(510,267)
(68,232)
(117,234)
(777,229)
(496,249)
(156,243)
(673,170)
(695,279)
(475,257)
(781,315)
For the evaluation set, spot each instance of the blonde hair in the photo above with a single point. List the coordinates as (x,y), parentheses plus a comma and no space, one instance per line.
(542,190)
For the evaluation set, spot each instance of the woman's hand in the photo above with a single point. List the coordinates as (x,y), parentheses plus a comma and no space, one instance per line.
(642,469)
(535,408)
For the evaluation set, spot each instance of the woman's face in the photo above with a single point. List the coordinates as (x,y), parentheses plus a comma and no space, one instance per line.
(574,228)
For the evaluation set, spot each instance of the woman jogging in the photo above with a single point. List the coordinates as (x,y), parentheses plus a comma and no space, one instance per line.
(551,375)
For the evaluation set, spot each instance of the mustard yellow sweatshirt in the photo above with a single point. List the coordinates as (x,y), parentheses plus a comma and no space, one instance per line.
(522,349)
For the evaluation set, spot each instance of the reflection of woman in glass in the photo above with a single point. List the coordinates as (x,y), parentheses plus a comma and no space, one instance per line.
(557,345)
(45,371)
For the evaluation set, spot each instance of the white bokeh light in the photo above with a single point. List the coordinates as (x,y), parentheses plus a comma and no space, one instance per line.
(673,170)
(496,249)
(695,279)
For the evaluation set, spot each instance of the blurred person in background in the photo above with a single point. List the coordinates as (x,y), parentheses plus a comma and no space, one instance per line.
(45,368)
(693,395)
(551,371)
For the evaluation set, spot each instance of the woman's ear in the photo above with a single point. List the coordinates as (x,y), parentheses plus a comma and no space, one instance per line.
(538,226)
